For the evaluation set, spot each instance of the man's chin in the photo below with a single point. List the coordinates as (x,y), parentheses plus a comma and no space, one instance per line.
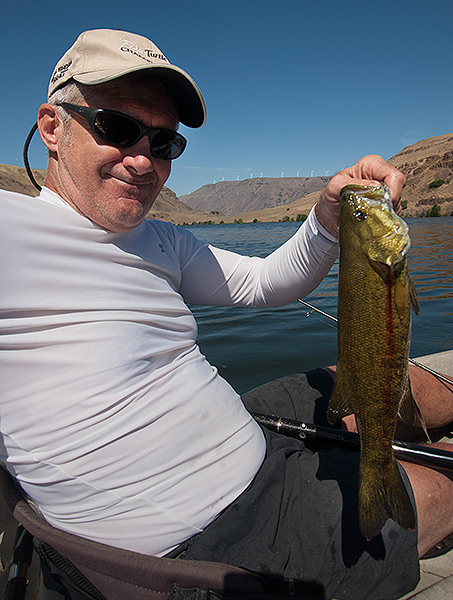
(129,214)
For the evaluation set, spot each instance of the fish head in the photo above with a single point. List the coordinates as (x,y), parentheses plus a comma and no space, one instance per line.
(367,215)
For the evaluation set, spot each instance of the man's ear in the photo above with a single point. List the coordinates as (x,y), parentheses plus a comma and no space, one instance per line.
(50,125)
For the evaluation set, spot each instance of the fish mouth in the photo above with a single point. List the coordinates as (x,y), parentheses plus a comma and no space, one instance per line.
(399,230)
(390,248)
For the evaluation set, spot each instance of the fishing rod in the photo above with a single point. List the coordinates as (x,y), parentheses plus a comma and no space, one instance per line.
(314,309)
(411,360)
(415,453)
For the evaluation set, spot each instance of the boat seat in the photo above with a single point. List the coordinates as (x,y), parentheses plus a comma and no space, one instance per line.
(80,569)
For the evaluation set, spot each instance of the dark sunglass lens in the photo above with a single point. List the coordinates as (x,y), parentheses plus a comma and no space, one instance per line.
(167,145)
(116,129)
(123,131)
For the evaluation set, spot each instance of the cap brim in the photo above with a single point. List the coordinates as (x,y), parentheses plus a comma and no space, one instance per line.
(186,93)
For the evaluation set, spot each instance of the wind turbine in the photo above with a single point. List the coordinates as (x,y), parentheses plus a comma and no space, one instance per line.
(312,171)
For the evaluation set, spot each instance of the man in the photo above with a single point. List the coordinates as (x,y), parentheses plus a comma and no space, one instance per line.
(112,420)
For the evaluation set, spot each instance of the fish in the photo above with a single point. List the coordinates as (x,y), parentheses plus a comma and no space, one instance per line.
(375,300)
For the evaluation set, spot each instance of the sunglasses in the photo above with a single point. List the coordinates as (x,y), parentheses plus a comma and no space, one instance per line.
(123,131)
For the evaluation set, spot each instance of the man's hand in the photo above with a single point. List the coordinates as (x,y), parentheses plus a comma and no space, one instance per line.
(369,170)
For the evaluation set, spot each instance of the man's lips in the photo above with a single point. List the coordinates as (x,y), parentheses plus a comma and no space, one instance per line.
(144,181)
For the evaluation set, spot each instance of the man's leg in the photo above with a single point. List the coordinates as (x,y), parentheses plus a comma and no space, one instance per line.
(434,397)
(433,491)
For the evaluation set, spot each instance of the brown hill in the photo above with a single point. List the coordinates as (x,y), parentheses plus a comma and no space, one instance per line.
(292,211)
(15,179)
(424,163)
(248,195)
(166,208)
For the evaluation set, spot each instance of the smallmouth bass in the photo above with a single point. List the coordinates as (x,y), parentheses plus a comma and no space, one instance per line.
(375,297)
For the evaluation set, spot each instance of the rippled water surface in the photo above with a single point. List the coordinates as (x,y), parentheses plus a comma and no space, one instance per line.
(252,346)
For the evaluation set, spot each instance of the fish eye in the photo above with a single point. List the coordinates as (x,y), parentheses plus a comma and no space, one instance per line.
(360,215)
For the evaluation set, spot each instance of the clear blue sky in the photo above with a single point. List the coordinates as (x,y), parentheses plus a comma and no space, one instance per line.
(292,87)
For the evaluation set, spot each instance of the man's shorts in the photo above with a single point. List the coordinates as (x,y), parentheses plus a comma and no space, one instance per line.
(298,520)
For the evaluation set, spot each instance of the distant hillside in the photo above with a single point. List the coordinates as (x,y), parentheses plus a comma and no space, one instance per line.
(167,206)
(15,179)
(291,211)
(425,163)
(248,195)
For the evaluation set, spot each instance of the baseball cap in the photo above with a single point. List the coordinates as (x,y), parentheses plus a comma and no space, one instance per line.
(101,55)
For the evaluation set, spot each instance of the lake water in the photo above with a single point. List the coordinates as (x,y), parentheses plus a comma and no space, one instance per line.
(253,346)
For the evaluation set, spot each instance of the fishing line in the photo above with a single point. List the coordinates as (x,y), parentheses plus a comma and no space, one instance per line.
(411,360)
(438,375)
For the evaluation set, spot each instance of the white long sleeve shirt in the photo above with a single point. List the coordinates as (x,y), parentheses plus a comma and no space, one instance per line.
(111,418)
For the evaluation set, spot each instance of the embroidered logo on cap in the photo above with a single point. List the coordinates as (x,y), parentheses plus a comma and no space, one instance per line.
(147,54)
(60,72)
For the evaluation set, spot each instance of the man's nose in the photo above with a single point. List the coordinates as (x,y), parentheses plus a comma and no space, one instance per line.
(138,157)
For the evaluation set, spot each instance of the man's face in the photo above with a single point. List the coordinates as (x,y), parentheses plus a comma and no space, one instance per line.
(113,187)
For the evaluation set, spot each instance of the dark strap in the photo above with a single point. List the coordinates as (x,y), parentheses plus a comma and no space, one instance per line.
(61,575)
(16,586)
(195,593)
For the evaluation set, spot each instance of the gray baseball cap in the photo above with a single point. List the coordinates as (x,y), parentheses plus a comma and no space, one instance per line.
(101,55)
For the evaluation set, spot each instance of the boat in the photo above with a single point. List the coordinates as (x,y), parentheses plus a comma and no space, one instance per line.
(436,574)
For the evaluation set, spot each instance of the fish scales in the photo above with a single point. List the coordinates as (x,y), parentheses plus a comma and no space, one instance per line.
(375,295)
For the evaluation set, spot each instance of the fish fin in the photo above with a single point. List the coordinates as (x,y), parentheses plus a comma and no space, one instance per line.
(407,407)
(413,298)
(402,294)
(338,408)
(382,269)
(420,419)
(382,495)
(409,412)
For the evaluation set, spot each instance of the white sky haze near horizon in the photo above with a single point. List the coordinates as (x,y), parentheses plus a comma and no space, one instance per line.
(299,88)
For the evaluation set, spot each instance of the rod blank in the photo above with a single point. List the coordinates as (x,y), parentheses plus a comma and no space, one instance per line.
(422,455)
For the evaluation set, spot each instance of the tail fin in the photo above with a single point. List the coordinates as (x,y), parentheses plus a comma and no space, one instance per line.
(382,495)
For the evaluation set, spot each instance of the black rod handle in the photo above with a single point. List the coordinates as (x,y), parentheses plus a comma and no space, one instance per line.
(422,455)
